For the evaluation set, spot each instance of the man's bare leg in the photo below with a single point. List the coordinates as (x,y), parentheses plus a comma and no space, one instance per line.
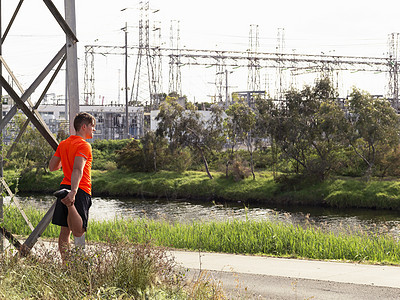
(75,222)
(63,242)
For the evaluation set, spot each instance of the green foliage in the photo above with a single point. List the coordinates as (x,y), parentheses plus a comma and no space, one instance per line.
(155,152)
(309,128)
(31,152)
(389,163)
(186,128)
(241,127)
(131,156)
(105,153)
(239,169)
(151,154)
(374,127)
(38,182)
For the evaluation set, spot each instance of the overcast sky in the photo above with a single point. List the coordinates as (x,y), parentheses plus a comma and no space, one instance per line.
(352,27)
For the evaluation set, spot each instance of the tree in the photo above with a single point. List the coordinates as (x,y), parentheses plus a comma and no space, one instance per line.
(241,126)
(200,135)
(187,128)
(169,117)
(308,128)
(373,127)
(264,108)
(154,147)
(32,151)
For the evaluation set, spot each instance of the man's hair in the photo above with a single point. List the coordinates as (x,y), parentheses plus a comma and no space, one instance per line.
(83,118)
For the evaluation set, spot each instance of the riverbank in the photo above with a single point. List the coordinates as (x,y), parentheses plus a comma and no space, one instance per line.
(250,237)
(336,192)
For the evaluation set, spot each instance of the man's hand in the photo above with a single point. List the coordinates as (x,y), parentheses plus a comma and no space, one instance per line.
(69,200)
(77,171)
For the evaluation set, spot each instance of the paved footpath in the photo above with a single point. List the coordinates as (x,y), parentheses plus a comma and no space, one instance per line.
(281,278)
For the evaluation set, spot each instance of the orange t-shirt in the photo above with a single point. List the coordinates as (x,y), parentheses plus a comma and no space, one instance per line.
(67,150)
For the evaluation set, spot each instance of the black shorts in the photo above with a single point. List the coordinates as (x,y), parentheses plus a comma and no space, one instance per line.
(83,201)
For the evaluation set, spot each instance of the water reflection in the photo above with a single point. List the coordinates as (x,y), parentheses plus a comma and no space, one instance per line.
(377,221)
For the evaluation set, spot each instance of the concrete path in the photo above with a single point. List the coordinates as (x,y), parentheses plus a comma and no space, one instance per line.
(254,277)
(386,276)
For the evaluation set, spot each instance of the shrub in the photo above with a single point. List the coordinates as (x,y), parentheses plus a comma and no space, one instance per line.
(240,170)
(111,271)
(105,152)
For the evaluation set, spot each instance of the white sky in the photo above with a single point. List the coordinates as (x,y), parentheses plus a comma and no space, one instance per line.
(351,27)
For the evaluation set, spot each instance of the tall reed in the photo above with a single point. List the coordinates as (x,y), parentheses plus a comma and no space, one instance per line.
(234,236)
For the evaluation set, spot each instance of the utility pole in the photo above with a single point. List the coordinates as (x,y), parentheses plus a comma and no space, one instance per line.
(226,88)
(72,65)
(126,131)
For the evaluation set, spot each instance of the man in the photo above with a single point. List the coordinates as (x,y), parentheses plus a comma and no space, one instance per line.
(74,155)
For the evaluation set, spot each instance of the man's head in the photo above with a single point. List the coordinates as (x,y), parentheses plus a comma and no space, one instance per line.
(86,122)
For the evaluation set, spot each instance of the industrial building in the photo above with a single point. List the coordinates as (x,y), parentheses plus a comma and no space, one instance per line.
(110,120)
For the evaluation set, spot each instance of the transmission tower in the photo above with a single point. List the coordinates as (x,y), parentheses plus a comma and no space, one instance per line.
(143,88)
(393,88)
(280,48)
(89,86)
(253,78)
(220,79)
(175,81)
(157,63)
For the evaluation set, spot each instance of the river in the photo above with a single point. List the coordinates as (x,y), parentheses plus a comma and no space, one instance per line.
(108,208)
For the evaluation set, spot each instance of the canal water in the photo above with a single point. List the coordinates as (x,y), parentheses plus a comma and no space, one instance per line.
(352,220)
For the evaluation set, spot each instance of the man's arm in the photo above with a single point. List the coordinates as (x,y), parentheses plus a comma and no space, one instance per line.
(76,176)
(55,163)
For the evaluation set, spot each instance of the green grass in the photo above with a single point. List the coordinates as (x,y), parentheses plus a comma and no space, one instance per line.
(254,237)
(245,237)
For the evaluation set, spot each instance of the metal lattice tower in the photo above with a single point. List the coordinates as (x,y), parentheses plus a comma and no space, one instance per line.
(175,80)
(393,88)
(89,86)
(143,88)
(295,63)
(23,101)
(220,79)
(280,48)
(253,78)
(157,63)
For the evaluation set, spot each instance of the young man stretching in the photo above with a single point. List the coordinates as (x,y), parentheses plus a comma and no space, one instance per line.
(74,155)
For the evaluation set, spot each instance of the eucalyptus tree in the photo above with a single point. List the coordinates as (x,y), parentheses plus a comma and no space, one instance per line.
(186,127)
(153,147)
(240,127)
(264,108)
(169,117)
(373,127)
(201,134)
(308,127)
